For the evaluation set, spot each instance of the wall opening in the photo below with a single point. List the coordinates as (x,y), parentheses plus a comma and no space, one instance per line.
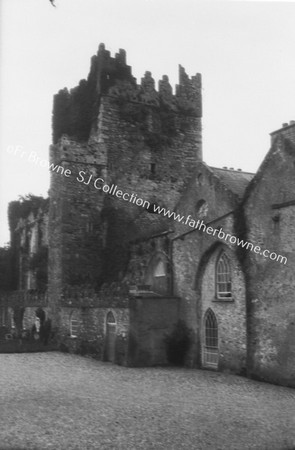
(110,337)
(157,276)
(74,324)
(210,340)
(223,277)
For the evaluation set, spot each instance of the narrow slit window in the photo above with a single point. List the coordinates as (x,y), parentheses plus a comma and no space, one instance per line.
(153,168)
(74,325)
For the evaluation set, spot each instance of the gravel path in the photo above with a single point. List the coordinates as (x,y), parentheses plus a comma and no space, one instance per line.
(61,401)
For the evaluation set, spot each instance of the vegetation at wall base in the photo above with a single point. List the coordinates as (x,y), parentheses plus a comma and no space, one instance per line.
(178,343)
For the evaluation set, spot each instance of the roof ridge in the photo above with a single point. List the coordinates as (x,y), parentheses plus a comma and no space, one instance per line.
(232,170)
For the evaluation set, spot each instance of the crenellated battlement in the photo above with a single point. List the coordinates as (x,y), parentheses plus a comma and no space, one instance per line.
(76,111)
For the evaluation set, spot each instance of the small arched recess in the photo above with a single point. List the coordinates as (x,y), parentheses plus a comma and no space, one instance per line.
(157,274)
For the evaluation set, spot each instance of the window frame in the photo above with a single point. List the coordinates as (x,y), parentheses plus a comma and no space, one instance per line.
(223,295)
(210,340)
(158,280)
(211,332)
(74,330)
(162,264)
(201,208)
(11,319)
(112,322)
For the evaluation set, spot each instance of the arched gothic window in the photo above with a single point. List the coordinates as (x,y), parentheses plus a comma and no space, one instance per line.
(210,348)
(160,270)
(211,330)
(223,277)
(111,318)
(157,274)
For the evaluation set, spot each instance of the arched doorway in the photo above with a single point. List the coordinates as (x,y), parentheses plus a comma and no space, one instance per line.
(110,337)
(210,340)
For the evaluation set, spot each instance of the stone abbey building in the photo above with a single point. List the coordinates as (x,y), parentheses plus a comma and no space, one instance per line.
(139,232)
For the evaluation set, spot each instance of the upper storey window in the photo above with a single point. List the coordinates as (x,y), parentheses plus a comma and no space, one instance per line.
(160,270)
(223,277)
(202,208)
(157,274)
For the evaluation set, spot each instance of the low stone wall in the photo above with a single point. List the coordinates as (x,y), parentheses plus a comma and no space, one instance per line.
(91,327)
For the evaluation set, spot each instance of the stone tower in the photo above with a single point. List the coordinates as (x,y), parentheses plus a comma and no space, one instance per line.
(107,131)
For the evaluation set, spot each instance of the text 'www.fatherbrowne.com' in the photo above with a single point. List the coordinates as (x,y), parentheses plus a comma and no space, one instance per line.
(99,184)
(201,226)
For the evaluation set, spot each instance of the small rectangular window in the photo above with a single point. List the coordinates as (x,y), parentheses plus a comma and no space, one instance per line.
(74,327)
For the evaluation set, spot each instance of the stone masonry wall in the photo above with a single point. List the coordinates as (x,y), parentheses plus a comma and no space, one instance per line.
(75,213)
(192,252)
(230,314)
(30,317)
(91,336)
(270,216)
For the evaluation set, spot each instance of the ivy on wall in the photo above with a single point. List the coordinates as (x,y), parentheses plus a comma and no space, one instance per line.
(22,208)
(6,274)
(39,263)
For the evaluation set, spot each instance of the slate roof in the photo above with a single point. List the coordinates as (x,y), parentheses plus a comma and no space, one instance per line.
(235,180)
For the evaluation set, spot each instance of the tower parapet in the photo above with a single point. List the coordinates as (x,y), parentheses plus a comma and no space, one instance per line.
(75,112)
(188,92)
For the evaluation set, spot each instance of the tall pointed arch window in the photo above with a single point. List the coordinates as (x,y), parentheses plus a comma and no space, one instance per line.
(223,278)
(160,270)
(210,345)
(111,318)
(110,344)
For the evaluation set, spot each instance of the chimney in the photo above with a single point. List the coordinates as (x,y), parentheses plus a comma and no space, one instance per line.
(287,131)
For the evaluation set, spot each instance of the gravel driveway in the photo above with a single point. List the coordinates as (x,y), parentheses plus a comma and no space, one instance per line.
(62,401)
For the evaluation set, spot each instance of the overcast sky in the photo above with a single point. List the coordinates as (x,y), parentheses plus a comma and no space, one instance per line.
(244,51)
